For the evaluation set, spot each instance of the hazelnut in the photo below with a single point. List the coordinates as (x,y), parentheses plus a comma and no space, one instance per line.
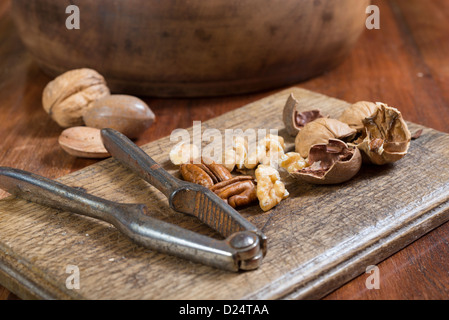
(67,97)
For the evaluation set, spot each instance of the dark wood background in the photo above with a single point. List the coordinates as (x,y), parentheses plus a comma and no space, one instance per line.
(404,64)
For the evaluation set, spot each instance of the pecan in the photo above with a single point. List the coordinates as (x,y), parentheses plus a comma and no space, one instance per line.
(236,191)
(194,173)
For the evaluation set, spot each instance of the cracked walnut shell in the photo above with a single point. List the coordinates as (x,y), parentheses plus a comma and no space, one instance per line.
(294,120)
(387,136)
(331,163)
(320,131)
(356,113)
(68,96)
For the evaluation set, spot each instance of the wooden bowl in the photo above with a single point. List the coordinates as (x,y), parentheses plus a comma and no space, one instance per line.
(192,48)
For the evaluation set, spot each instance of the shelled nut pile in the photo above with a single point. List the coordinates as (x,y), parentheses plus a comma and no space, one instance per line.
(327,151)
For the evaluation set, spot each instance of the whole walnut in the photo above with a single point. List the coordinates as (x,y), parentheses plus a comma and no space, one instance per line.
(68,96)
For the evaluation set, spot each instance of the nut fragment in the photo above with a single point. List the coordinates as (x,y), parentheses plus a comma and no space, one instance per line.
(241,151)
(67,97)
(294,120)
(126,114)
(237,155)
(268,152)
(272,142)
(83,142)
(229,159)
(331,163)
(387,136)
(356,113)
(293,162)
(183,153)
(319,132)
(270,189)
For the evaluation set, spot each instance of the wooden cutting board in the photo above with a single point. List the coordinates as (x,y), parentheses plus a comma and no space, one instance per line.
(318,239)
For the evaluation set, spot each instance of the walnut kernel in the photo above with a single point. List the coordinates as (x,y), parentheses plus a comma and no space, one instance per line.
(270,189)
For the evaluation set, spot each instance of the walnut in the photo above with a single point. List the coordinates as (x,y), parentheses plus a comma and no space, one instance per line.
(236,157)
(183,153)
(229,159)
(293,162)
(67,97)
(270,150)
(270,189)
(241,152)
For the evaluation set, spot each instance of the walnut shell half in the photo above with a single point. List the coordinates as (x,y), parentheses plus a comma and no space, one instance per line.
(387,136)
(319,132)
(330,163)
(294,120)
(67,97)
(357,112)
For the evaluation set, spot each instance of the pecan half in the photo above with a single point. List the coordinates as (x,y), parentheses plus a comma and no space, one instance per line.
(236,191)
(194,173)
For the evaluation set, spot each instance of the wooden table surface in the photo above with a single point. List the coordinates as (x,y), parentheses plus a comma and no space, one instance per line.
(404,64)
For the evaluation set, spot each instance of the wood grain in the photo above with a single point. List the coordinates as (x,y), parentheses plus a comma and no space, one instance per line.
(319,238)
(404,64)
